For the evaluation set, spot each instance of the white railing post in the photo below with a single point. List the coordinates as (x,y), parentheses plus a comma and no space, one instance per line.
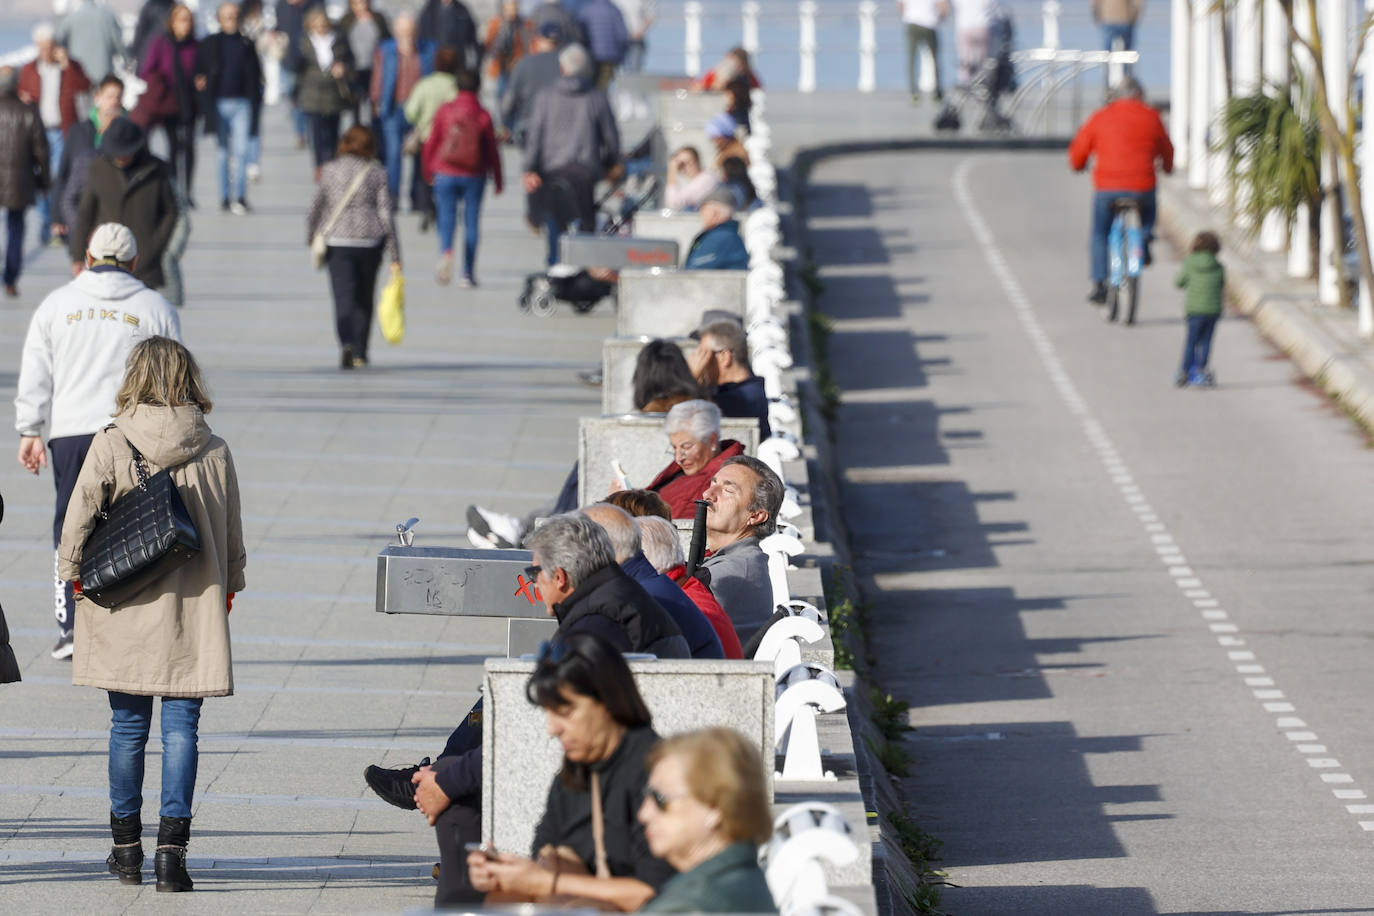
(1049,34)
(691,11)
(749,14)
(1245,70)
(1366,312)
(1218,189)
(868,46)
(1180,51)
(806,78)
(1334,56)
(1200,96)
(1274,63)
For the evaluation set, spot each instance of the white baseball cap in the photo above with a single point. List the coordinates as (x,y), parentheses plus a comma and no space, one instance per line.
(112,241)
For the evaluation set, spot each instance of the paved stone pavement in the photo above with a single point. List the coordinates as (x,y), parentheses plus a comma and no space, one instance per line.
(1132,620)
(479,404)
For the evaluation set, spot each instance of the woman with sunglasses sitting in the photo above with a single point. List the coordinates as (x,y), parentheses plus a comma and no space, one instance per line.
(705,810)
(589,846)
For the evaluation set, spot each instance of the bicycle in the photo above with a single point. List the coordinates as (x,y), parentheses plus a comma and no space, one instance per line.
(1126,253)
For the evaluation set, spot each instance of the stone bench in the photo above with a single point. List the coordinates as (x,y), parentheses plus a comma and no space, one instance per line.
(638,443)
(669,303)
(676,226)
(486,589)
(618,357)
(619,251)
(519,759)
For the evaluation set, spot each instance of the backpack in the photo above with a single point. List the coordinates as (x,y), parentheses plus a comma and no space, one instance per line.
(461,148)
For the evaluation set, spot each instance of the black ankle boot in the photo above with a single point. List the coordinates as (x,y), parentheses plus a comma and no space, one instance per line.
(173,833)
(126,855)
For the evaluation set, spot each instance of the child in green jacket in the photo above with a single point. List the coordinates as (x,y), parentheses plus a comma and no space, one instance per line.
(1203,278)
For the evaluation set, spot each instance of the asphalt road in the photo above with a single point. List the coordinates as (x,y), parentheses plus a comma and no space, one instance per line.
(1132,620)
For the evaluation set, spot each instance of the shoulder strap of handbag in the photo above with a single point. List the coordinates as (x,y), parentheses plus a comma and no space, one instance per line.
(599,830)
(334,217)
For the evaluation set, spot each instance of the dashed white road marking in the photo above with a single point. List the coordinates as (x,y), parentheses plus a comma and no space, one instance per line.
(1119,473)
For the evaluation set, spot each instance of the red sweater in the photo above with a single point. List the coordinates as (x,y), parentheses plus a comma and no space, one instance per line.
(1127,137)
(681,491)
(701,596)
(464,107)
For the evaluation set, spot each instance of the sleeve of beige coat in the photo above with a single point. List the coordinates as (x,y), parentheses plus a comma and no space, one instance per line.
(93,486)
(238,558)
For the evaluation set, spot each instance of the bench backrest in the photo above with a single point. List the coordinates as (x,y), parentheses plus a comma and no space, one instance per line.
(668,224)
(618,357)
(669,303)
(519,759)
(618,251)
(638,443)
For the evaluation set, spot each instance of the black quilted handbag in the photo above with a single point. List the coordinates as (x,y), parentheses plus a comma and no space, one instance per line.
(146,534)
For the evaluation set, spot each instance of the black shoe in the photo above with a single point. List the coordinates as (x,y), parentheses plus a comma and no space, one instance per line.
(169,862)
(1180,379)
(224,205)
(1149,257)
(346,358)
(592,377)
(126,855)
(394,786)
(1098,296)
(424,222)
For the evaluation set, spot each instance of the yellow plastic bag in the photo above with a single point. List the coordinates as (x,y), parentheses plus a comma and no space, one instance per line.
(391,311)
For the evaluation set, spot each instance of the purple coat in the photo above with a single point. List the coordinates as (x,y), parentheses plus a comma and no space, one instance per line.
(162,58)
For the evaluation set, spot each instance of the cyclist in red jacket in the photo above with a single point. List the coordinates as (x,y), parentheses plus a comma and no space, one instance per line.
(1128,138)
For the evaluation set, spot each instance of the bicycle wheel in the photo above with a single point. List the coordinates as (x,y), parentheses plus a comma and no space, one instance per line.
(1132,258)
(1113,303)
(1130,292)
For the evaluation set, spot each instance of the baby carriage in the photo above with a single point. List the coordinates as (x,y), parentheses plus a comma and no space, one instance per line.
(991,79)
(566,199)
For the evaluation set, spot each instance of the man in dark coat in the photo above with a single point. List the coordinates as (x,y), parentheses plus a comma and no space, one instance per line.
(82,146)
(127,184)
(229,80)
(449,24)
(24,170)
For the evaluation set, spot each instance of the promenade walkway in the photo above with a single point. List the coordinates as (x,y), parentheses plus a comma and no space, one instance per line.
(480,404)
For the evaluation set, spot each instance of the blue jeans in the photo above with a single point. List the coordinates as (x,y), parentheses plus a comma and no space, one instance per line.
(1102,224)
(48,204)
(394,128)
(1197,348)
(130,719)
(14,245)
(447,190)
(235,122)
(1123,30)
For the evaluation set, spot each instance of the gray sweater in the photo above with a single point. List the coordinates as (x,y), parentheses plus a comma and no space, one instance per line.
(571,124)
(738,576)
(530,75)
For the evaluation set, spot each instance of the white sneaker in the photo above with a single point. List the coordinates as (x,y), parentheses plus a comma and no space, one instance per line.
(64,646)
(479,541)
(238,209)
(443,272)
(504,531)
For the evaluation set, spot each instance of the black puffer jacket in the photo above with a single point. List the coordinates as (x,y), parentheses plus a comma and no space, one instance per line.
(23,154)
(141,198)
(622,605)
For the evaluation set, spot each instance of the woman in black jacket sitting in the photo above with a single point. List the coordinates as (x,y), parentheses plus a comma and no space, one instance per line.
(584,850)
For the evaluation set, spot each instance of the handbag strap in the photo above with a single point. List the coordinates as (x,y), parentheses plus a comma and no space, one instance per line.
(334,217)
(599,830)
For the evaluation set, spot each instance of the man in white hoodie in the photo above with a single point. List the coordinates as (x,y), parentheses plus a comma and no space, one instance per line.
(73,365)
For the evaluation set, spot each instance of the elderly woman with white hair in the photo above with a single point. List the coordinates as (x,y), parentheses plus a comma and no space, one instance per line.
(694,444)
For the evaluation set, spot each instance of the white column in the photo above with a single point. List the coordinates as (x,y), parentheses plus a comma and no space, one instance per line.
(1180,51)
(868,46)
(1367,169)
(1199,111)
(1245,71)
(1299,240)
(1334,56)
(1218,186)
(691,12)
(749,11)
(1050,24)
(1273,233)
(806,78)
(1115,69)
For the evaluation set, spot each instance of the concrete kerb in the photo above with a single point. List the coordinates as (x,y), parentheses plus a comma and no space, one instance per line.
(1290,318)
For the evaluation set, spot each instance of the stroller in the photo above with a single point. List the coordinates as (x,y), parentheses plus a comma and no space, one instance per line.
(566,197)
(994,77)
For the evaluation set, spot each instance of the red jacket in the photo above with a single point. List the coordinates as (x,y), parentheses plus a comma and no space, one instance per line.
(74,80)
(701,596)
(464,107)
(1127,137)
(681,491)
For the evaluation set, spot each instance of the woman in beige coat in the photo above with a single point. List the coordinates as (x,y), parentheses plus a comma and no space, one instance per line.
(172,641)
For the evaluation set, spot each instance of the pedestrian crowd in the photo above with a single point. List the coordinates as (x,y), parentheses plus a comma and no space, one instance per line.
(111,401)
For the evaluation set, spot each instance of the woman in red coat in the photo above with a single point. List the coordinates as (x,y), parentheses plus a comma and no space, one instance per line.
(693,430)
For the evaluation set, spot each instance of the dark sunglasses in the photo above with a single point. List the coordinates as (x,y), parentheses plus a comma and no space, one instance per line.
(661,801)
(532,572)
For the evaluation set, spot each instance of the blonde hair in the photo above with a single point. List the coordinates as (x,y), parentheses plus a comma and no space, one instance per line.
(162,373)
(725,772)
